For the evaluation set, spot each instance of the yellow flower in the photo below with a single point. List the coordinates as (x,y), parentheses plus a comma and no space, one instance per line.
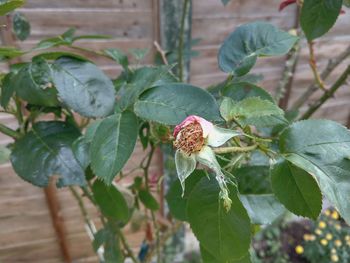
(338,243)
(327,212)
(333,250)
(334,258)
(299,249)
(324,242)
(318,232)
(335,215)
(347,237)
(329,236)
(322,224)
(312,238)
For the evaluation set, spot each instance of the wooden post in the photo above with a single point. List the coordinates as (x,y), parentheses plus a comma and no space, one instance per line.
(8,39)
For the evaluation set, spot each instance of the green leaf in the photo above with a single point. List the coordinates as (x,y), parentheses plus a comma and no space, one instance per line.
(7,90)
(110,201)
(209,258)
(241,49)
(296,189)
(21,26)
(148,200)
(346,3)
(253,107)
(33,83)
(107,237)
(253,179)
(322,148)
(46,151)
(80,149)
(83,87)
(241,90)
(225,235)
(177,204)
(119,56)
(10,52)
(7,6)
(112,144)
(53,55)
(262,209)
(143,79)
(172,103)
(318,16)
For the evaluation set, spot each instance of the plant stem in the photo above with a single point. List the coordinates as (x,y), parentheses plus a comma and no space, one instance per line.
(327,94)
(313,65)
(126,245)
(98,53)
(9,132)
(181,39)
(332,64)
(232,149)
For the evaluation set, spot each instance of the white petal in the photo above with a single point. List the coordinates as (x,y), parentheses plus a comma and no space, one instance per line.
(218,136)
(207,157)
(185,165)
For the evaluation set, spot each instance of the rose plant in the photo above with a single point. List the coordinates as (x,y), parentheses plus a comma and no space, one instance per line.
(241,160)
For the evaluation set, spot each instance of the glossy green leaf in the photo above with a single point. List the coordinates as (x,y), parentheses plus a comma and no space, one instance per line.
(83,87)
(253,107)
(21,26)
(143,79)
(318,16)
(110,201)
(81,151)
(7,90)
(296,189)
(10,52)
(172,103)
(262,209)
(209,258)
(33,84)
(224,234)
(148,200)
(176,202)
(112,144)
(253,179)
(53,55)
(119,56)
(241,49)
(7,6)
(46,151)
(322,148)
(242,90)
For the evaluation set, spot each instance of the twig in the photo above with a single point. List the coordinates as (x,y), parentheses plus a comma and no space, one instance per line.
(126,245)
(313,66)
(285,85)
(161,52)
(235,149)
(9,132)
(181,39)
(327,94)
(332,64)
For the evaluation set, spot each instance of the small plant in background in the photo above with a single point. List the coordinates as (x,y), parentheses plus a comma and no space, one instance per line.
(328,240)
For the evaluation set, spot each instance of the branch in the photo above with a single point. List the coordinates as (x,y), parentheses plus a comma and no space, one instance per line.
(327,94)
(161,52)
(332,64)
(313,65)
(126,245)
(9,132)
(181,39)
(235,149)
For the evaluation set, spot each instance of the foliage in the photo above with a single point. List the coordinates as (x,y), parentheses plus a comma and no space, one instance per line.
(78,126)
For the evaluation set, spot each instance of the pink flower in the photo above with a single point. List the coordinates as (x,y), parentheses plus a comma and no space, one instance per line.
(193,138)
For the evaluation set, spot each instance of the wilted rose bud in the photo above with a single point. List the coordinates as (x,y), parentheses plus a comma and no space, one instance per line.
(193,137)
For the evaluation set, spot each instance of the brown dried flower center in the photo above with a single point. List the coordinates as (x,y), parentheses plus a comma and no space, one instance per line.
(190,138)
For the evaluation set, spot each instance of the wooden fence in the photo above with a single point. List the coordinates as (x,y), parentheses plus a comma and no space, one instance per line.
(26,229)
